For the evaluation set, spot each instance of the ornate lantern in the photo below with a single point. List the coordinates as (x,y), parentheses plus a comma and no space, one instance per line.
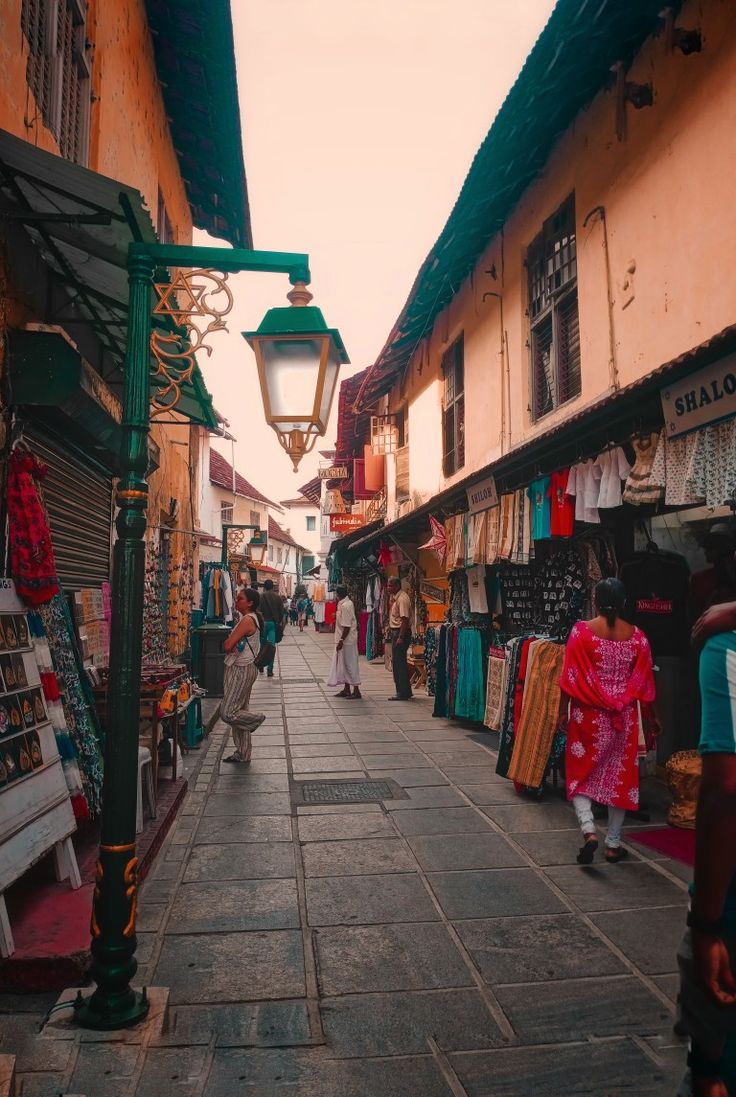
(298,360)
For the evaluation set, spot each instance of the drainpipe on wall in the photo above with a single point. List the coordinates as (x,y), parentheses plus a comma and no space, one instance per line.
(503,358)
(612,364)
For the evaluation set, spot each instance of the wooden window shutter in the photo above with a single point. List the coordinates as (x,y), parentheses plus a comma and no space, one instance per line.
(568,348)
(543,374)
(402,471)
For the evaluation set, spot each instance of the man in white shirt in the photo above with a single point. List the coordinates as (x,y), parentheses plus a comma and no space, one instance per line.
(399,624)
(345,666)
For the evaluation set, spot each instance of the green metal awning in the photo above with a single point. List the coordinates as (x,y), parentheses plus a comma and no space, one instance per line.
(79,224)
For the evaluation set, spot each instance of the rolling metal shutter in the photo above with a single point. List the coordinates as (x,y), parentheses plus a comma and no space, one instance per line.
(78,498)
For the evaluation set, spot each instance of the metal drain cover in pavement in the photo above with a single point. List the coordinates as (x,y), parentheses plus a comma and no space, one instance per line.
(346,792)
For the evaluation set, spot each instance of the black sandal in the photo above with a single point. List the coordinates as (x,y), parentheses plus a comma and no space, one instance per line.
(614,854)
(586,853)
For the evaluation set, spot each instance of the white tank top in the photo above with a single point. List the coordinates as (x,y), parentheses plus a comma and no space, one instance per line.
(251,645)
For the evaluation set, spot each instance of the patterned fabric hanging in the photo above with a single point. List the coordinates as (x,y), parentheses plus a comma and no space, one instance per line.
(32,562)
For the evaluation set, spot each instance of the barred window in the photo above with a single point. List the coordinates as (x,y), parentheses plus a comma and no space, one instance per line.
(58,70)
(553,310)
(453,408)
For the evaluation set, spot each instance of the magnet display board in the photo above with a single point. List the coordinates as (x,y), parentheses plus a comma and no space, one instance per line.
(36,814)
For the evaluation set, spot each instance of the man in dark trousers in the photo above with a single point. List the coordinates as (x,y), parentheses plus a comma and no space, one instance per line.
(272,608)
(400,629)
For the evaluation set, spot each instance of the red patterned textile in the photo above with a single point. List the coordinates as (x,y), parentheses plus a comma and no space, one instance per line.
(604,679)
(32,563)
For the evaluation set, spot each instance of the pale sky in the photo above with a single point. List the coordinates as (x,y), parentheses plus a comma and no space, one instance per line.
(360,121)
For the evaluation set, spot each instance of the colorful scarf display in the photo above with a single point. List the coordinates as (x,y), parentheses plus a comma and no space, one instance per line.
(32,562)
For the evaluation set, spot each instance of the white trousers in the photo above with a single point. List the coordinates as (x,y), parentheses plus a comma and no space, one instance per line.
(584,810)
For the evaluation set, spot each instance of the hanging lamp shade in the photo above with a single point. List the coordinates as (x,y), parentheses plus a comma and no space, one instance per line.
(298,359)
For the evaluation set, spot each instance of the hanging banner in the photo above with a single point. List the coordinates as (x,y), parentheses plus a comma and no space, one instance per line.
(334,472)
(702,398)
(432,593)
(344,523)
(482,496)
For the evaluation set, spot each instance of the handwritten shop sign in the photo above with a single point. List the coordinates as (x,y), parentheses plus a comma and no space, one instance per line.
(432,593)
(334,472)
(482,496)
(344,523)
(702,398)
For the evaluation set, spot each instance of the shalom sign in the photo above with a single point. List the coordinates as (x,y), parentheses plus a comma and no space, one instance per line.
(334,472)
(702,398)
(482,496)
(344,523)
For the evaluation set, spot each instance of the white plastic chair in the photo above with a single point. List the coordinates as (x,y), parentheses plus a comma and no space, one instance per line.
(145,775)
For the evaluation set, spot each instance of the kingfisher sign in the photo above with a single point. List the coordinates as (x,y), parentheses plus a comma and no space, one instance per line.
(702,398)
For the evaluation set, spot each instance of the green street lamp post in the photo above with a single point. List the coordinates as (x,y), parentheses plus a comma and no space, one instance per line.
(114,1004)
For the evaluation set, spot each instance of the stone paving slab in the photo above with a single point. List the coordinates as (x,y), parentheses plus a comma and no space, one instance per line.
(525,949)
(249,861)
(400,1024)
(356,857)
(557,847)
(492,792)
(448,852)
(322,750)
(609,1069)
(362,959)
(232,967)
(409,778)
(115,1063)
(341,826)
(256,803)
(464,820)
(179,1072)
(434,796)
(242,781)
(560,1011)
(654,949)
(402,760)
(495,893)
(618,887)
(325,764)
(258,765)
(366,900)
(257,1024)
(213,908)
(243,828)
(311,1074)
(533,817)
(338,809)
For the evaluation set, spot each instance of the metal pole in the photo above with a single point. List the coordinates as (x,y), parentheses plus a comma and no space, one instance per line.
(114,1004)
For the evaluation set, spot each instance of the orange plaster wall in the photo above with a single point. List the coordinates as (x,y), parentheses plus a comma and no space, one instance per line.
(129,132)
(667,193)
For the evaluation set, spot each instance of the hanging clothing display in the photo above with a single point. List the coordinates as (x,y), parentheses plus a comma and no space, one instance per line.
(476,577)
(522,549)
(673,466)
(712,472)
(493,534)
(539,714)
(507,520)
(561,589)
(614,468)
(640,488)
(497,669)
(562,505)
(32,563)
(470,692)
(539,495)
(583,483)
(657,586)
(431,641)
(217,594)
(54,622)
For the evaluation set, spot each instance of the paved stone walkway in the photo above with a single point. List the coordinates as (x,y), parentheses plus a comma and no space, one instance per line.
(440,944)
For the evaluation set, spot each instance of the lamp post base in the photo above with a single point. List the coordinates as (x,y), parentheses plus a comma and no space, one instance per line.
(105,1012)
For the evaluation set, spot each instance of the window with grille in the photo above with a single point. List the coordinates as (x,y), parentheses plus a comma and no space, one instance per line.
(58,70)
(226,514)
(453,408)
(311,523)
(553,311)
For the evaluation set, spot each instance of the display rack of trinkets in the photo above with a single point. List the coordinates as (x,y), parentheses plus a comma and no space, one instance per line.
(24,722)
(180,592)
(156,602)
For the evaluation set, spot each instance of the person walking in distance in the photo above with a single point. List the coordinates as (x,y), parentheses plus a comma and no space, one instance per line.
(707,954)
(345,670)
(241,648)
(400,631)
(301,609)
(272,611)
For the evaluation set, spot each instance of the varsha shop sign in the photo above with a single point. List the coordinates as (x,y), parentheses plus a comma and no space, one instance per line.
(702,398)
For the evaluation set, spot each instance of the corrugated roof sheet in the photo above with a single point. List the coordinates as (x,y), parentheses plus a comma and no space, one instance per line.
(221,473)
(570,63)
(195,59)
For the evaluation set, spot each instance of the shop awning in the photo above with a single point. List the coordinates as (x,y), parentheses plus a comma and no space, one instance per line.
(79,224)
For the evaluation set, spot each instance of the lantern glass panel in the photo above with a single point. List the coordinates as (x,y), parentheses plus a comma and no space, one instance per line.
(291,368)
(330,381)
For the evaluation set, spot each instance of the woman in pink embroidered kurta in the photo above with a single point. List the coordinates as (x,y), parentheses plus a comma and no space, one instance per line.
(607,670)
